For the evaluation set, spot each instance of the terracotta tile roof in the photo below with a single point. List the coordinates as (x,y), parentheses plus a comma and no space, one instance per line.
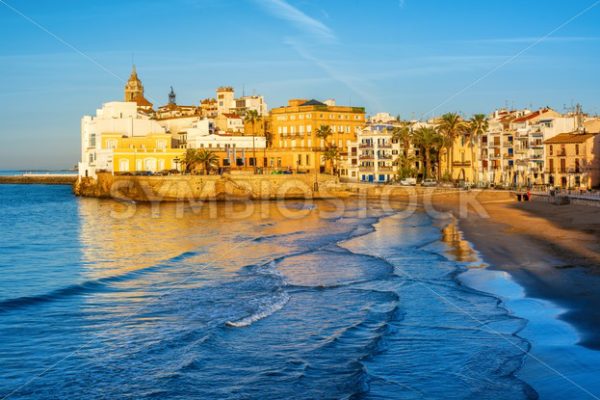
(532,115)
(566,138)
(141,101)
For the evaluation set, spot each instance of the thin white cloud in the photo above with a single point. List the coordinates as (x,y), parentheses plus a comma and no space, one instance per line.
(357,84)
(525,40)
(285,11)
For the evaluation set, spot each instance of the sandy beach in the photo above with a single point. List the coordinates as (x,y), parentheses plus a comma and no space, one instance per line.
(552,251)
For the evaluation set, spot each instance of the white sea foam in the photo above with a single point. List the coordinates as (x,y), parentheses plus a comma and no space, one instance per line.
(263,311)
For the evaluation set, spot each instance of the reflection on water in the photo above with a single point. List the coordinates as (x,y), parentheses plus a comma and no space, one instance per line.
(458,248)
(280,303)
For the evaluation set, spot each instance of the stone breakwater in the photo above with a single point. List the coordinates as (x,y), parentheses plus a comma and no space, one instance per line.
(207,187)
(39,179)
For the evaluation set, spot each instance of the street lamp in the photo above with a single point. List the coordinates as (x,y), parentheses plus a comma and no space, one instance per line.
(176,160)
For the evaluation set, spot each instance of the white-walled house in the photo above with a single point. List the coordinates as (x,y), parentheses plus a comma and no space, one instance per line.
(115,117)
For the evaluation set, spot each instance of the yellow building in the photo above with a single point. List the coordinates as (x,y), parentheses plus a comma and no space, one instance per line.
(152,152)
(573,160)
(463,161)
(293,132)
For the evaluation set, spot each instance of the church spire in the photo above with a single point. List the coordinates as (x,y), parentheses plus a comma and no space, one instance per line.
(172,97)
(134,90)
(133,87)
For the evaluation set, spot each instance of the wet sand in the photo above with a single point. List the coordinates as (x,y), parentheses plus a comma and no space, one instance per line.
(552,251)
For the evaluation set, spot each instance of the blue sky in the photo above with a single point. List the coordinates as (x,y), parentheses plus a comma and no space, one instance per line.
(62,59)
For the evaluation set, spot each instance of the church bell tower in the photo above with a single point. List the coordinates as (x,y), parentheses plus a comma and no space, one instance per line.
(133,88)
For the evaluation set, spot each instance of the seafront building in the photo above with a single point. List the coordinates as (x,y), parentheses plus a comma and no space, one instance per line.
(121,139)
(573,158)
(294,140)
(512,150)
(372,158)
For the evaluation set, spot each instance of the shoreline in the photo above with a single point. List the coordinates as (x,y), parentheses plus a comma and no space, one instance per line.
(552,252)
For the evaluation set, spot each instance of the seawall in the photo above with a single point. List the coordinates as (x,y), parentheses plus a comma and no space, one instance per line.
(207,187)
(39,179)
(257,187)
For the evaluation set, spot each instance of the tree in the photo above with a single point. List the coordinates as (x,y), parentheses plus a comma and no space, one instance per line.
(323,132)
(208,159)
(403,134)
(332,155)
(450,125)
(429,140)
(478,125)
(252,117)
(190,160)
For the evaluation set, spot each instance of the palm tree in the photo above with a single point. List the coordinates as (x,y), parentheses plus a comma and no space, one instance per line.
(478,125)
(429,140)
(450,125)
(252,117)
(208,159)
(190,159)
(331,155)
(323,132)
(403,134)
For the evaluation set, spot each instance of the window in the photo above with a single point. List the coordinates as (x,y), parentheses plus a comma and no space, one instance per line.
(577,149)
(551,150)
(93,140)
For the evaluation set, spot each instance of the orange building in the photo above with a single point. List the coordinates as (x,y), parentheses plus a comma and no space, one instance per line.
(293,128)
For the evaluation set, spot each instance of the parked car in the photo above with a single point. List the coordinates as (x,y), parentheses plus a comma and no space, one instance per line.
(408,181)
(429,183)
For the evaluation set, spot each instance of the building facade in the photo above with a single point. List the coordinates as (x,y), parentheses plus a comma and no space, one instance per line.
(294,128)
(573,159)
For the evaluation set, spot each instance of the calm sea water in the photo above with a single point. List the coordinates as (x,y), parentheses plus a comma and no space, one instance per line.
(277,301)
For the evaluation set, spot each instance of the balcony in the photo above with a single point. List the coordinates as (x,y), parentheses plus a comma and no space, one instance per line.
(461,163)
(508,156)
(365,146)
(385,146)
(385,169)
(367,157)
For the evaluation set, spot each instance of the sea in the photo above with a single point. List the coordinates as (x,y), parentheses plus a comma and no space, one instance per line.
(265,300)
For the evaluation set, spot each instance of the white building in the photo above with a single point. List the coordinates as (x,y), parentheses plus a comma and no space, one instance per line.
(382,118)
(227,103)
(115,117)
(512,151)
(371,158)
(201,136)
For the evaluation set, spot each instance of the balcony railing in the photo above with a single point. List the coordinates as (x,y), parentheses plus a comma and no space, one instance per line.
(385,146)
(461,164)
(365,146)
